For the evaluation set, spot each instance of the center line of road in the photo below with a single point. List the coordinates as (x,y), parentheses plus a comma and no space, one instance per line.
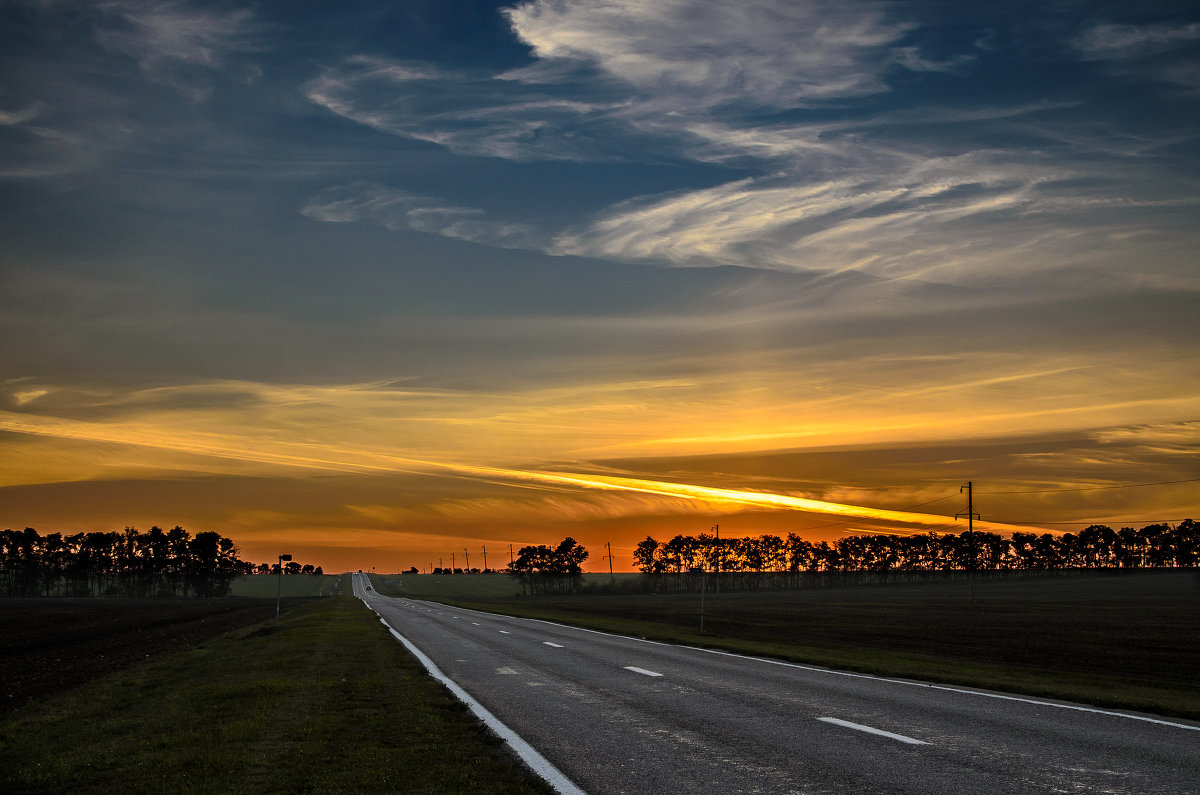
(642,671)
(869,730)
(548,643)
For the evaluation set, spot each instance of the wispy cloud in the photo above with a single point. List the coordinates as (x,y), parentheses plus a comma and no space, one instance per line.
(37,150)
(988,216)
(11,117)
(1162,51)
(470,114)
(897,194)
(324,458)
(1176,438)
(1124,42)
(684,55)
(575,506)
(169,37)
(397,209)
(603,72)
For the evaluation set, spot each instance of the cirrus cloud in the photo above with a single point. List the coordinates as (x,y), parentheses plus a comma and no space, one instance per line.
(893,193)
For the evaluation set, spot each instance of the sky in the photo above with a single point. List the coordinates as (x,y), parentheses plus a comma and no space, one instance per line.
(375,284)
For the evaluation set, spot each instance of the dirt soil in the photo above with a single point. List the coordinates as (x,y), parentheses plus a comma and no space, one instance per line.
(49,645)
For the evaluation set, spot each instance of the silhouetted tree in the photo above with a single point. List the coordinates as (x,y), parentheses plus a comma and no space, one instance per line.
(554,569)
(128,563)
(1097,546)
(646,557)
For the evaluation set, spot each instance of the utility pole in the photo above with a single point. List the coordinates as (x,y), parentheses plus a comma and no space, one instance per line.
(971,516)
(279,586)
(720,557)
(467,557)
(485,558)
(452,566)
(510,557)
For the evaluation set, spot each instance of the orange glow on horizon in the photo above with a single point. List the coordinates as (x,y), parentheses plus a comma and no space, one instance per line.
(263,467)
(320,457)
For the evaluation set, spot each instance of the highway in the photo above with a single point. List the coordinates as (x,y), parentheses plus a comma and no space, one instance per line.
(622,715)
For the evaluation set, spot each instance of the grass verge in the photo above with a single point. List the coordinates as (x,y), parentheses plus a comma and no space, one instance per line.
(269,586)
(1126,641)
(328,701)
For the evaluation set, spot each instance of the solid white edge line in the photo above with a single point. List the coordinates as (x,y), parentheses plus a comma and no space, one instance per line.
(539,764)
(959,690)
(871,730)
(852,675)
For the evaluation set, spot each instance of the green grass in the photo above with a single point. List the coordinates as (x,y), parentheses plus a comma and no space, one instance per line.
(1130,641)
(326,702)
(268,585)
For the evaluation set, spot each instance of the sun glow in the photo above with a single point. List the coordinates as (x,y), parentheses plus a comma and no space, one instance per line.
(323,458)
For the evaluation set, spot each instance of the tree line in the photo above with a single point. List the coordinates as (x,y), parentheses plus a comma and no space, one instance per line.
(550,569)
(128,563)
(1096,547)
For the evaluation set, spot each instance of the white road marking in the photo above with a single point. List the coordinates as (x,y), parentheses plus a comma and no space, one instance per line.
(904,682)
(869,730)
(852,675)
(475,624)
(542,766)
(505,632)
(642,671)
(548,643)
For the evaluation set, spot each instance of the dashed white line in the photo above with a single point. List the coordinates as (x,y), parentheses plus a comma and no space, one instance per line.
(870,730)
(553,645)
(888,680)
(641,671)
(505,632)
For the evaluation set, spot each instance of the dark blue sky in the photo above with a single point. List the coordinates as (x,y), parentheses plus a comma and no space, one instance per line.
(568,231)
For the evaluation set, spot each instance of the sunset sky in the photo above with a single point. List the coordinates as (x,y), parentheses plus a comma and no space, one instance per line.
(376,283)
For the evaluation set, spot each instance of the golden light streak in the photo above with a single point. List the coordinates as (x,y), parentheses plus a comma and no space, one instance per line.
(326,458)
(750,499)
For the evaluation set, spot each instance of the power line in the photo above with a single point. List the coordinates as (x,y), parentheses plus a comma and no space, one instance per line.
(931,502)
(1098,488)
(1036,491)
(1120,521)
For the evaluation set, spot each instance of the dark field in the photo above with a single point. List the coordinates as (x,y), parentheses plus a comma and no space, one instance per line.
(1116,640)
(200,696)
(47,645)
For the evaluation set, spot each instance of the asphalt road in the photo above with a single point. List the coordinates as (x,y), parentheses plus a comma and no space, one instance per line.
(623,715)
